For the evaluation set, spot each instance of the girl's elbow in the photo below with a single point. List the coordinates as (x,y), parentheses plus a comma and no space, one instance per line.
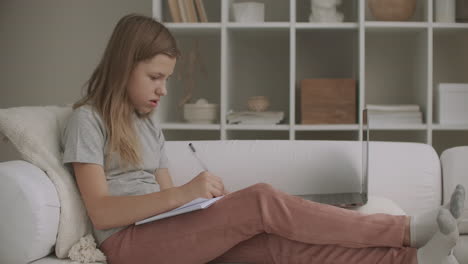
(98,221)
(103,223)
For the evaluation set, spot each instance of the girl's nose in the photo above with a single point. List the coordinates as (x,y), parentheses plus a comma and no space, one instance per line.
(161,90)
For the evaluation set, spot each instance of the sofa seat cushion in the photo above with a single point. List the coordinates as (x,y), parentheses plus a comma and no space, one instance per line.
(52,259)
(30,217)
(378,204)
(460,252)
(375,204)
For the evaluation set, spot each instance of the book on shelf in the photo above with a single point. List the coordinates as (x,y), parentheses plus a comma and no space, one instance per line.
(191,12)
(201,11)
(393,107)
(394,114)
(183,11)
(187,11)
(197,204)
(174,10)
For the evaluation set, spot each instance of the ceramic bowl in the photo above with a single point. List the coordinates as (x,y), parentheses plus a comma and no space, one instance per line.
(258,103)
(200,113)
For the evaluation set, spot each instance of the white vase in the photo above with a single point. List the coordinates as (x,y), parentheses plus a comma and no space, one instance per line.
(445,11)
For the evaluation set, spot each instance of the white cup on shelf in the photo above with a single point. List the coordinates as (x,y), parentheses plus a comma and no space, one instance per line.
(248,12)
(445,11)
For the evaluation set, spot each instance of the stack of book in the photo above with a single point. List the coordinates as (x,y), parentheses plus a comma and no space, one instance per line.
(382,115)
(187,11)
(258,118)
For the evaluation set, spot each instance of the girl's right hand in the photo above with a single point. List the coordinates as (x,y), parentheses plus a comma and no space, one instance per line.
(205,185)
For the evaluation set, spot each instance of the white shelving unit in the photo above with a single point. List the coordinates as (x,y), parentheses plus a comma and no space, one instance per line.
(393,62)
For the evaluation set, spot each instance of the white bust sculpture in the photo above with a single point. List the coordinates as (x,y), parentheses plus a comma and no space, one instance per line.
(325,11)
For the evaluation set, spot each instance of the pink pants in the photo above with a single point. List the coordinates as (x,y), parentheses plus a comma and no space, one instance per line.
(260,224)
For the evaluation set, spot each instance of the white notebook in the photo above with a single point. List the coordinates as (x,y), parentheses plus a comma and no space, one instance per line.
(197,204)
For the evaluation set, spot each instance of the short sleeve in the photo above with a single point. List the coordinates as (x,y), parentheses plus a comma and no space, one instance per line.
(163,161)
(83,138)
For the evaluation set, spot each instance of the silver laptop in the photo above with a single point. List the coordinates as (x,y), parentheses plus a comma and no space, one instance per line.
(350,199)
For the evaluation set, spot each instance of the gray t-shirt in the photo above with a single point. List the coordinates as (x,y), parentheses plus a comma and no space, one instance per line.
(84,139)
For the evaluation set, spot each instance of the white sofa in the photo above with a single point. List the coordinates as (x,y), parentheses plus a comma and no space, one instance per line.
(404,178)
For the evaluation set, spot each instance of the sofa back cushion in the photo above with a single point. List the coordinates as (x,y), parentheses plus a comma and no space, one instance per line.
(407,173)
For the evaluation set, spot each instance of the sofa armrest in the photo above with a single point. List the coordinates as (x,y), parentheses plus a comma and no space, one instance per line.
(455,171)
(30,213)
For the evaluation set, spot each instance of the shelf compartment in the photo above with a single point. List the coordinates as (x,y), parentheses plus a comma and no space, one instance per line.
(396,69)
(420,13)
(413,27)
(399,127)
(190,126)
(450,61)
(258,127)
(450,27)
(442,140)
(212,8)
(327,135)
(450,127)
(399,136)
(275,10)
(330,26)
(194,29)
(267,55)
(325,54)
(257,26)
(171,134)
(206,85)
(257,135)
(349,8)
(344,127)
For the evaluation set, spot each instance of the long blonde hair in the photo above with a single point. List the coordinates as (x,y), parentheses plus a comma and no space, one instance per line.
(135,38)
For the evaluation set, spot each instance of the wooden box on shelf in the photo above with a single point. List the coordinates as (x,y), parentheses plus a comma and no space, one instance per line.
(328,101)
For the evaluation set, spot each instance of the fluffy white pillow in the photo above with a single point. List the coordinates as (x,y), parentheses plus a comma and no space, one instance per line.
(35,133)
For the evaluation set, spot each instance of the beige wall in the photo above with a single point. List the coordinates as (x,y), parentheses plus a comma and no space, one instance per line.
(48,48)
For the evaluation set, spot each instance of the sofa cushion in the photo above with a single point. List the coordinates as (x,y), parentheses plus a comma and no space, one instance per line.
(30,217)
(407,173)
(35,133)
(455,171)
(380,205)
(52,259)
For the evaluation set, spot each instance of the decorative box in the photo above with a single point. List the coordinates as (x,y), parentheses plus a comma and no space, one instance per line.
(328,101)
(452,103)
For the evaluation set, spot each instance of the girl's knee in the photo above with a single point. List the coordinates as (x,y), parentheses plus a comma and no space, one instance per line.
(263,188)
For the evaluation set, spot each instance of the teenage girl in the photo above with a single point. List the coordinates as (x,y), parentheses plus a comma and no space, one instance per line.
(117,154)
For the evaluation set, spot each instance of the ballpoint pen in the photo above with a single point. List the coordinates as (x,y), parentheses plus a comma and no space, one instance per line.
(192,148)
